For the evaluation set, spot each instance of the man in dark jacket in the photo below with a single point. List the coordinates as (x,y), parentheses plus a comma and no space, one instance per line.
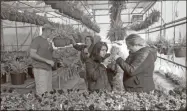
(139,66)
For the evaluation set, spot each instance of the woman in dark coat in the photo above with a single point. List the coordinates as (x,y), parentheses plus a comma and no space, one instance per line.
(139,66)
(85,50)
(96,68)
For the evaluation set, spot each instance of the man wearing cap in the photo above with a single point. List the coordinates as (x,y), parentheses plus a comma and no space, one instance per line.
(41,53)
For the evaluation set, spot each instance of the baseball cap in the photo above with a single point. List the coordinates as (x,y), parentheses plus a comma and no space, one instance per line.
(48,26)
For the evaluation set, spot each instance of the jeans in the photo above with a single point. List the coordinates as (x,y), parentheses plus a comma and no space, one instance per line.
(43,80)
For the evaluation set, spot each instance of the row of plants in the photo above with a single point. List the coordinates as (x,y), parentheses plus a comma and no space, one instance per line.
(93,100)
(13,14)
(150,20)
(69,8)
(166,47)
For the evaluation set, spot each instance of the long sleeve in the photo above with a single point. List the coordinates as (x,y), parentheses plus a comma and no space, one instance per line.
(136,63)
(92,70)
(79,47)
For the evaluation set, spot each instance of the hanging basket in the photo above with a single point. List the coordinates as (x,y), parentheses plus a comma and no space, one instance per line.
(161,50)
(3,79)
(61,42)
(180,51)
(168,51)
(156,19)
(12,17)
(17,79)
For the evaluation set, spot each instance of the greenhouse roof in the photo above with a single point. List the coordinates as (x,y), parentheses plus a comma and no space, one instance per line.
(101,8)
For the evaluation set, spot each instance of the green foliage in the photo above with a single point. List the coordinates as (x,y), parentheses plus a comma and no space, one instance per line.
(93,100)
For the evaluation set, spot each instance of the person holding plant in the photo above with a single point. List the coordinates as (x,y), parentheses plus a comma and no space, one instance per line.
(41,53)
(139,66)
(96,65)
(114,72)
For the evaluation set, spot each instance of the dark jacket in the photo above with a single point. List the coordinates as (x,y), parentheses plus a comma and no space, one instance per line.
(138,69)
(96,75)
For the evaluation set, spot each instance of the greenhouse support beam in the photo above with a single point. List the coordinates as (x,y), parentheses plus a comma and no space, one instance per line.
(86,9)
(110,3)
(18,26)
(103,23)
(165,28)
(120,14)
(148,7)
(172,62)
(109,9)
(135,7)
(178,20)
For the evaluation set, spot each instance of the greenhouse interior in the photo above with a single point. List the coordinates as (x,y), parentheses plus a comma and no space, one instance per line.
(131,55)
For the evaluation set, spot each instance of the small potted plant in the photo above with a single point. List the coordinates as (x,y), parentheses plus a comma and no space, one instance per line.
(3,73)
(180,47)
(18,70)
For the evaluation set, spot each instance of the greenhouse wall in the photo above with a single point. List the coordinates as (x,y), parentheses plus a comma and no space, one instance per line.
(171,11)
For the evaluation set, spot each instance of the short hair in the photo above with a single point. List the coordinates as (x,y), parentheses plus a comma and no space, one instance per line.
(91,38)
(95,54)
(135,39)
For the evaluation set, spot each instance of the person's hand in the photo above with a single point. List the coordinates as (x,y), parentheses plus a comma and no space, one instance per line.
(107,61)
(85,50)
(50,62)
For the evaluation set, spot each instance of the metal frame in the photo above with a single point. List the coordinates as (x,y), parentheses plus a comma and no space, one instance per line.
(104,23)
(121,14)
(148,7)
(135,7)
(86,9)
(110,3)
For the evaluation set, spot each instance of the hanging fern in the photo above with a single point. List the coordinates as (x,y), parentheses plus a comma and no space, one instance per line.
(150,20)
(116,32)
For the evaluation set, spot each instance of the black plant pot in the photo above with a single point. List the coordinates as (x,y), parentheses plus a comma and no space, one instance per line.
(168,51)
(3,79)
(17,79)
(180,51)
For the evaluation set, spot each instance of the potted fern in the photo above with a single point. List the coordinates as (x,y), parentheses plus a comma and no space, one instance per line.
(180,47)
(18,71)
